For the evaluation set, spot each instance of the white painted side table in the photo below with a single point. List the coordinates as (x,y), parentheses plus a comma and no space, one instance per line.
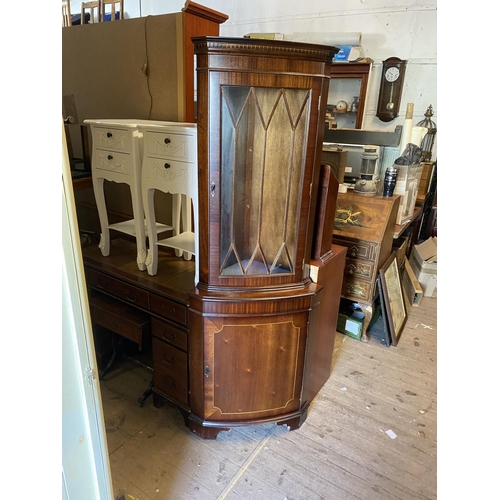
(170,164)
(117,157)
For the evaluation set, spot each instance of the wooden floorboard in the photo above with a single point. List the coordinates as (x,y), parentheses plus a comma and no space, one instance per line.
(344,450)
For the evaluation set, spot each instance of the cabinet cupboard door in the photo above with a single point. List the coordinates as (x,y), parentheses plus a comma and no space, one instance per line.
(253,368)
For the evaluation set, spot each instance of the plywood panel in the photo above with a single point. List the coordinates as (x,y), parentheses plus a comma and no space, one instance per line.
(103,68)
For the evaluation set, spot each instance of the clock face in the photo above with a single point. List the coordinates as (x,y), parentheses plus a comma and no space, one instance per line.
(392,74)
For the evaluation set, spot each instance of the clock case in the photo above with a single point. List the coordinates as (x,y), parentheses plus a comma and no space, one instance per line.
(261,109)
(383,113)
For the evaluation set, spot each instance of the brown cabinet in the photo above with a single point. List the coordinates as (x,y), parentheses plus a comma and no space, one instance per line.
(365,225)
(259,146)
(349,84)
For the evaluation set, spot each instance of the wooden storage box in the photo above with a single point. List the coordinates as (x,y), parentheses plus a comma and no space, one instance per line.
(425,180)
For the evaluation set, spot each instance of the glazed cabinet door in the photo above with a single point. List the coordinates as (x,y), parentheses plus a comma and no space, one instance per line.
(253,368)
(260,185)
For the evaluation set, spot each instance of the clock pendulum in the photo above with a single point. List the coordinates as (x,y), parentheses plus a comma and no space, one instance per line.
(390,104)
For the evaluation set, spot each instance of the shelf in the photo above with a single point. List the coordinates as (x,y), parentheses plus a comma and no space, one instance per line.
(356,136)
(128,227)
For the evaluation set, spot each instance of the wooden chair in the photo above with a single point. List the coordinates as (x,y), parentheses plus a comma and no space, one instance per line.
(93,8)
(113,4)
(66,13)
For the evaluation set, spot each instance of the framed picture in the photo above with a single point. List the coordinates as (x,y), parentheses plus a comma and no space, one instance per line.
(392,292)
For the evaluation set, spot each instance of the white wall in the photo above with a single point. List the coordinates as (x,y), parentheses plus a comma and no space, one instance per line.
(402,28)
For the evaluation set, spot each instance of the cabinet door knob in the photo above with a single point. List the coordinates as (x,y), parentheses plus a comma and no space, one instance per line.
(110,157)
(109,134)
(207,371)
(167,165)
(167,140)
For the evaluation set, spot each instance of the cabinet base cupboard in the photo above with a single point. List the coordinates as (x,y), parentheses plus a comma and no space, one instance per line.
(261,108)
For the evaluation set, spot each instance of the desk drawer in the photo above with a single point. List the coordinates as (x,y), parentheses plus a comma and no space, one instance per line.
(358,248)
(111,138)
(169,334)
(359,268)
(170,175)
(357,289)
(171,145)
(170,371)
(110,161)
(119,318)
(169,309)
(120,289)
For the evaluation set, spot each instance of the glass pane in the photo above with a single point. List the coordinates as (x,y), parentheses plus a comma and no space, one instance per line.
(263,150)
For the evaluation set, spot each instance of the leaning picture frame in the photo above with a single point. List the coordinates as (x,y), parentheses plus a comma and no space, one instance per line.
(394,303)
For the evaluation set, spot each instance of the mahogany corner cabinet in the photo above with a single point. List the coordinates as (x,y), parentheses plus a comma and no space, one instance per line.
(261,109)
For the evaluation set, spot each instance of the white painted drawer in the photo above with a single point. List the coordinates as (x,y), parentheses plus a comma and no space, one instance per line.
(112,161)
(171,145)
(111,138)
(170,175)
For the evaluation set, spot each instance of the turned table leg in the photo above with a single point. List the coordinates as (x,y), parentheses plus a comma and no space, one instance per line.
(368,312)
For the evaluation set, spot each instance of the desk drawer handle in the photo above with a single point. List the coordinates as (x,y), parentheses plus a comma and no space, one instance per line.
(169,339)
(167,140)
(134,298)
(168,378)
(354,251)
(110,157)
(170,361)
(167,165)
(109,134)
(172,309)
(102,283)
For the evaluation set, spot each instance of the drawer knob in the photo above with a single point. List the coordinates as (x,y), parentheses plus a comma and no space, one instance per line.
(132,298)
(167,140)
(110,157)
(101,283)
(167,165)
(109,134)
(164,337)
(168,378)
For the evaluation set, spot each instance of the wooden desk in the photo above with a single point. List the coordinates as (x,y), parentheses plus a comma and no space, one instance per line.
(163,297)
(82,183)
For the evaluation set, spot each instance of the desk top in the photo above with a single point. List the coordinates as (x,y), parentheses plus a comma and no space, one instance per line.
(175,277)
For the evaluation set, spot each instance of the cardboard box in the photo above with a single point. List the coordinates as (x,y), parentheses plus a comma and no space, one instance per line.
(407,183)
(351,324)
(423,261)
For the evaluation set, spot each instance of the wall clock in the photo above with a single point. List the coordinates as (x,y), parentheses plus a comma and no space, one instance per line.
(391,88)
